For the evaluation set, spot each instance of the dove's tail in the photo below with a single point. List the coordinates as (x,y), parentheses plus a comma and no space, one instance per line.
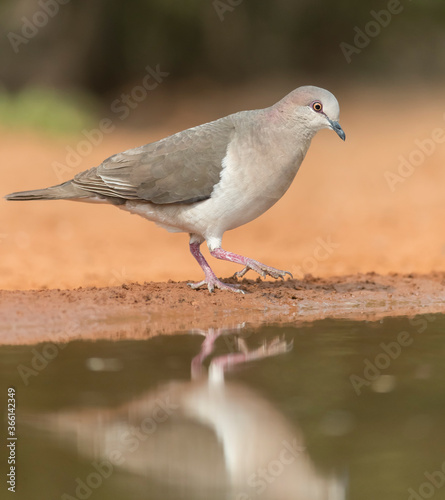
(65,191)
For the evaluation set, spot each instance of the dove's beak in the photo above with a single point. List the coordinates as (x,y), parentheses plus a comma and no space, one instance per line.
(336,128)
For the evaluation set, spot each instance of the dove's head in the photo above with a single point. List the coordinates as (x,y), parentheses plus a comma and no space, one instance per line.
(312,107)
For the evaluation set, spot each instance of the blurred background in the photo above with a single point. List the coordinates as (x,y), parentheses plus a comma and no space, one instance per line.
(82,80)
(100,46)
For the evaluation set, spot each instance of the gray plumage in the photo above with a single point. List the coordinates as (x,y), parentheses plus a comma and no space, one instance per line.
(182,168)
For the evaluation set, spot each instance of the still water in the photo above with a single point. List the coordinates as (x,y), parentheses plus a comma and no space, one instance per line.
(330,410)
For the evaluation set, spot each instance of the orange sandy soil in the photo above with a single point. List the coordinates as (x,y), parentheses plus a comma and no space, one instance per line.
(135,311)
(340,195)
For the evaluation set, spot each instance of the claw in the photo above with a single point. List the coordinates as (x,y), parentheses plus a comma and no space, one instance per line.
(240,274)
(196,285)
(262,270)
(212,283)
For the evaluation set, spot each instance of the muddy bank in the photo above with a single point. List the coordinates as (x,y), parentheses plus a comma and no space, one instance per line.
(142,310)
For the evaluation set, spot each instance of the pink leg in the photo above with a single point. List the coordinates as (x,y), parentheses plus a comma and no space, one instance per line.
(210,279)
(261,269)
(273,348)
(207,348)
(223,363)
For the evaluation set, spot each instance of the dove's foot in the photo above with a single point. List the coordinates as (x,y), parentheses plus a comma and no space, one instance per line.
(269,348)
(256,266)
(210,280)
(214,282)
(262,270)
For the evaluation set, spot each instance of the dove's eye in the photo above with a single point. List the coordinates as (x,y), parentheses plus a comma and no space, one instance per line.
(317,106)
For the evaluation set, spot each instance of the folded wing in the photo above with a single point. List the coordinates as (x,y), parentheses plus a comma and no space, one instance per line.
(182,168)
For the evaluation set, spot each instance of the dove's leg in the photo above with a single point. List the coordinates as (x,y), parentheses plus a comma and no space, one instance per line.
(221,364)
(210,278)
(261,269)
(271,348)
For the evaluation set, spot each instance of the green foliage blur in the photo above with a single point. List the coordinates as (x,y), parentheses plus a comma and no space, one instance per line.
(47,110)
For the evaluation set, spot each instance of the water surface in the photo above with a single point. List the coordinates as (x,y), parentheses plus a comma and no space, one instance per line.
(334,409)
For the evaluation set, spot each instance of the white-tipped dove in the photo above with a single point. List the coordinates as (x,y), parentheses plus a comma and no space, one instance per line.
(211,178)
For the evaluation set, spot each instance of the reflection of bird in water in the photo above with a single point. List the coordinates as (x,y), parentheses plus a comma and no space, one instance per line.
(207,436)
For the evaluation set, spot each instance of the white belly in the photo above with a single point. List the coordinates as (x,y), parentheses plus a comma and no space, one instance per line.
(246,190)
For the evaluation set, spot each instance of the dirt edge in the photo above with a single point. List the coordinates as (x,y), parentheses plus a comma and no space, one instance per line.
(136,311)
